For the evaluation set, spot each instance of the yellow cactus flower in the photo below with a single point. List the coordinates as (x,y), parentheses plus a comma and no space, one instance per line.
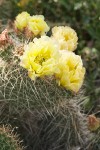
(37,25)
(22,20)
(71,72)
(23,3)
(66,37)
(41,57)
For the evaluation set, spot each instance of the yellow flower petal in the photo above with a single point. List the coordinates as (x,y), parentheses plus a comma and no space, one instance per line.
(41,57)
(37,25)
(22,20)
(71,74)
(66,37)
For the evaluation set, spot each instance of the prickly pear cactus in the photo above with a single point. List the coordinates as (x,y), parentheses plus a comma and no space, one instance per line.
(48,114)
(8,140)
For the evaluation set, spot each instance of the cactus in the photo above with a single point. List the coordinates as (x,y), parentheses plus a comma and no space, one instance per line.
(47,113)
(63,127)
(96,143)
(8,140)
(21,93)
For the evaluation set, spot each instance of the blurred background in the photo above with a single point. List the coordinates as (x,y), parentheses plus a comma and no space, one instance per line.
(81,15)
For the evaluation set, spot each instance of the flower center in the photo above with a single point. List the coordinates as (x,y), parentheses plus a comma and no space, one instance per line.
(40,59)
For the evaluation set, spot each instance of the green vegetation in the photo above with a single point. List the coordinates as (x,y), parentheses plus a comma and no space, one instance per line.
(47,116)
